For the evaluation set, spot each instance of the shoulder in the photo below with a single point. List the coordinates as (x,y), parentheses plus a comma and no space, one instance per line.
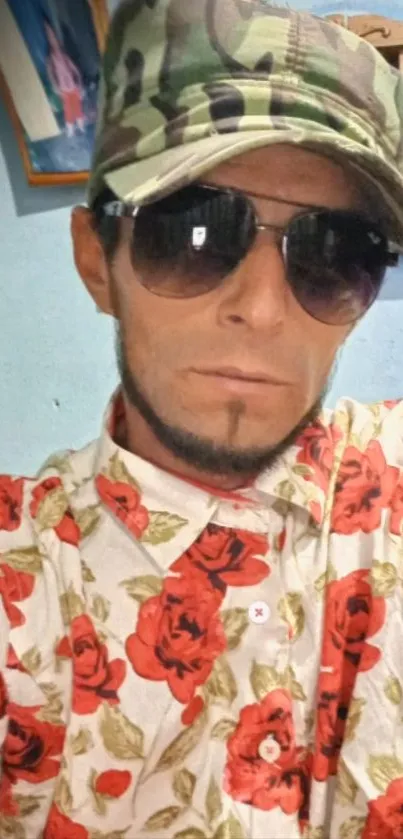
(351,431)
(367,474)
(43,520)
(376,426)
(30,505)
(39,517)
(352,457)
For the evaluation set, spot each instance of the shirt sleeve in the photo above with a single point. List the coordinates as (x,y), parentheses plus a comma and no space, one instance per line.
(18,556)
(34,689)
(4,642)
(11,540)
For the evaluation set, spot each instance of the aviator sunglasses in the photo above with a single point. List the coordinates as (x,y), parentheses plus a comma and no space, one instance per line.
(190,242)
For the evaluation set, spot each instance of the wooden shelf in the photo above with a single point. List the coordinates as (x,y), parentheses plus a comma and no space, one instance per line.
(383,33)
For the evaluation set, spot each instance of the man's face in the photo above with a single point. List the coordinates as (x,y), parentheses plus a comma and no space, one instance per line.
(170,349)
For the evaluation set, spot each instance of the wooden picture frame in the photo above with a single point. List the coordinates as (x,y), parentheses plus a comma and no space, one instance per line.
(71,141)
(383,33)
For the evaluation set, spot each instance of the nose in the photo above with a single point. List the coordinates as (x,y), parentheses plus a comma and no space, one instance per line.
(257,295)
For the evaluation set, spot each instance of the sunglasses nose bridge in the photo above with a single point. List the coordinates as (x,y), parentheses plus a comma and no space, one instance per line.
(257,292)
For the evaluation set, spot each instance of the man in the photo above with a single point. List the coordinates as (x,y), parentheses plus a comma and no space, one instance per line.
(202,610)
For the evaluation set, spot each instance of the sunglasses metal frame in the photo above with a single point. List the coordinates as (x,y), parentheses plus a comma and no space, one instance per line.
(392,251)
(124,209)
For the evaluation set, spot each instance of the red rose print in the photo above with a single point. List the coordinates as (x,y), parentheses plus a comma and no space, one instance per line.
(264,767)
(3,697)
(385,814)
(60,826)
(281,539)
(96,680)
(226,557)
(113,783)
(125,502)
(365,485)
(316,511)
(67,529)
(8,805)
(353,614)
(317,444)
(63,648)
(11,491)
(391,403)
(193,710)
(41,491)
(178,636)
(396,506)
(332,711)
(13,662)
(15,586)
(32,748)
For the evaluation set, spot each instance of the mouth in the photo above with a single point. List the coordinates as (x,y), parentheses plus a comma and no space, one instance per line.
(237,375)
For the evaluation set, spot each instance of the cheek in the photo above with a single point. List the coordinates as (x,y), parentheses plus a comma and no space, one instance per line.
(142,330)
(153,347)
(155,331)
(321,344)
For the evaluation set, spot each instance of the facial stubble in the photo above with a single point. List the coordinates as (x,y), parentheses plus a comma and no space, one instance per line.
(199,452)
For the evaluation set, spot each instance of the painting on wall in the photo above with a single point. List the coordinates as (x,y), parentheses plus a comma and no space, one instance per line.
(50,52)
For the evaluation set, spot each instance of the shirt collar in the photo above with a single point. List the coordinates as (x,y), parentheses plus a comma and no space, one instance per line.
(296,481)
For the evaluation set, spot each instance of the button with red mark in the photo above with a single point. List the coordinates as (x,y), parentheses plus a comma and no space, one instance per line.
(269,750)
(259,612)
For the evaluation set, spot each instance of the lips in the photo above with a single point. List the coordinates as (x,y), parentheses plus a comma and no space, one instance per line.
(238,375)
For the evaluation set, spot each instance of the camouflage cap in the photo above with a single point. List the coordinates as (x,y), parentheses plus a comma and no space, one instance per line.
(187,84)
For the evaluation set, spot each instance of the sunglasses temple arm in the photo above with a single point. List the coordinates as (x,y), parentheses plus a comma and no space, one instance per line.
(121,209)
(395,251)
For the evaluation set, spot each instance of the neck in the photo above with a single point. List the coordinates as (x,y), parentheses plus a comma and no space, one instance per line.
(134,434)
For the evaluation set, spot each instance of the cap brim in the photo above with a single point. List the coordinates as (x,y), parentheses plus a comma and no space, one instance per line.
(147,180)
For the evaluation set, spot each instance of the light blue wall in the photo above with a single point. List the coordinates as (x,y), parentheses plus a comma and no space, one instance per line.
(54,348)
(57,364)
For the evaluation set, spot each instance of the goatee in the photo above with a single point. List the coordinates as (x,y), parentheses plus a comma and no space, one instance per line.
(203,454)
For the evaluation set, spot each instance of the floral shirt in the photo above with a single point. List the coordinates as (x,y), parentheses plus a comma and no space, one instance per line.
(178,663)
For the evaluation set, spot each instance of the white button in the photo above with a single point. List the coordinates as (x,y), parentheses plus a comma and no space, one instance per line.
(269,750)
(259,612)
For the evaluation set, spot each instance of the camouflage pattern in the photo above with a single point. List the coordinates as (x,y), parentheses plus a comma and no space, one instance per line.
(187,84)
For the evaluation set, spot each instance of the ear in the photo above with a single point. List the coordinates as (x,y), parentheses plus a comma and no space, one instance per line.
(90,259)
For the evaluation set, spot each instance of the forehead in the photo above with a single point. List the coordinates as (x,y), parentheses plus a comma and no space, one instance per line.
(292,173)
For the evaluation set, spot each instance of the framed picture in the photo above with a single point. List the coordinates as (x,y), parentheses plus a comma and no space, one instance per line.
(50,52)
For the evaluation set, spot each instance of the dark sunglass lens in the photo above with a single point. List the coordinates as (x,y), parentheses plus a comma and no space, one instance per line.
(336,262)
(186,244)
